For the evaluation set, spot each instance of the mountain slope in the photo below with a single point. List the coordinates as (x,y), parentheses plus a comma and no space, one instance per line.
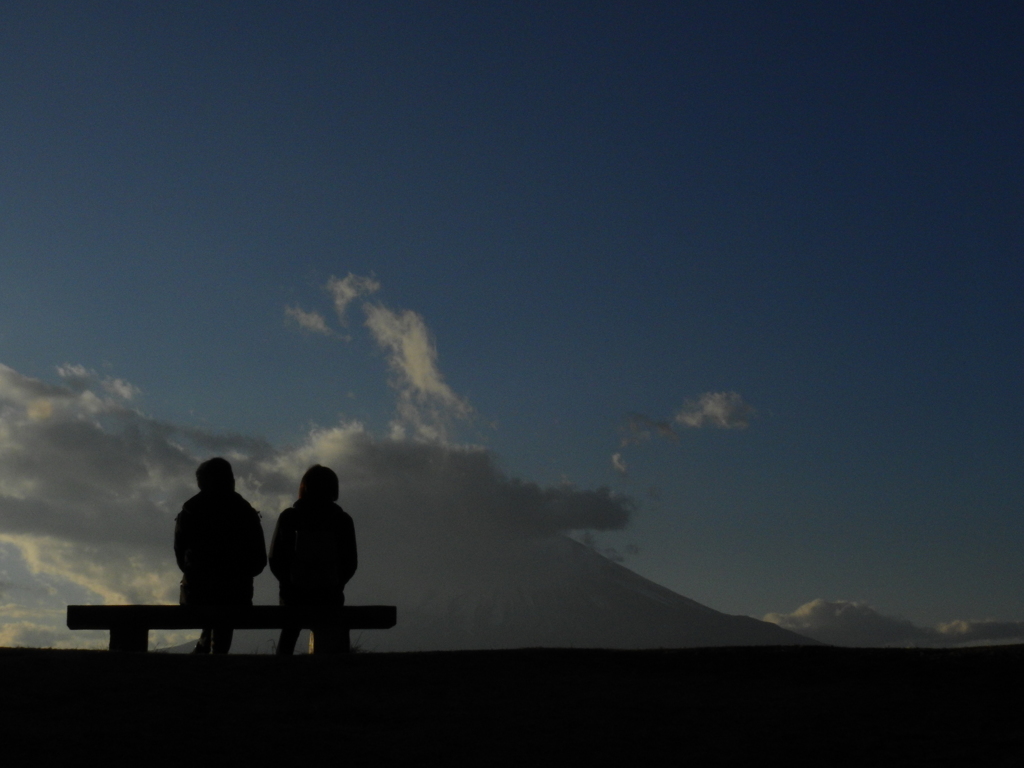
(557,593)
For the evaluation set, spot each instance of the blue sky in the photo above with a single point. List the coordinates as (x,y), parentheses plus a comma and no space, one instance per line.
(597,210)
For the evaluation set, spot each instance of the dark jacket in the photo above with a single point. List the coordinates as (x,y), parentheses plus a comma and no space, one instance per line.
(219,545)
(313,553)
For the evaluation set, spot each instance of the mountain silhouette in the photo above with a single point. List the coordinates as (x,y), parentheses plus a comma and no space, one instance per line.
(556,593)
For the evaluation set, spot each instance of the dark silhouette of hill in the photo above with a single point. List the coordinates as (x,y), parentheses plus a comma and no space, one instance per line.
(720,706)
(554,593)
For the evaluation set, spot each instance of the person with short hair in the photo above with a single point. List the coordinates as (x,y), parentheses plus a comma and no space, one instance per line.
(220,547)
(313,555)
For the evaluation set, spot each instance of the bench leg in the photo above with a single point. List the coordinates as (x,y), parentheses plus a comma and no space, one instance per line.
(329,641)
(134,639)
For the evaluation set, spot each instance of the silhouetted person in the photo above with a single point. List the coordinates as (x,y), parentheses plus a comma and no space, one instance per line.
(219,545)
(313,552)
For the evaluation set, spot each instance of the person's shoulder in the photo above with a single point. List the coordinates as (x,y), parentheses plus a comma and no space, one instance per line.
(240,505)
(304,509)
(341,514)
(288,516)
(192,506)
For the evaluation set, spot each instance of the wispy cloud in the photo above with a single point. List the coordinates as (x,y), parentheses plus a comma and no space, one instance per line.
(310,321)
(348,289)
(723,410)
(619,464)
(426,403)
(427,407)
(719,410)
(842,622)
(344,291)
(637,428)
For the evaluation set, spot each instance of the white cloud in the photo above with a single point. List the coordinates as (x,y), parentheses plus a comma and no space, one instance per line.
(841,622)
(426,406)
(80,378)
(75,372)
(120,388)
(725,410)
(637,428)
(310,321)
(346,290)
(982,632)
(426,403)
(89,489)
(619,463)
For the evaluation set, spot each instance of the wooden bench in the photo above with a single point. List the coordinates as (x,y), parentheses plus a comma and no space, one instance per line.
(129,625)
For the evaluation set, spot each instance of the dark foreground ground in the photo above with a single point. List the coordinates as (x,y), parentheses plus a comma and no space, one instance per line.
(725,706)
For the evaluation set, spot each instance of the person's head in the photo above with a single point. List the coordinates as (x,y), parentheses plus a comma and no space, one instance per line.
(319,484)
(215,475)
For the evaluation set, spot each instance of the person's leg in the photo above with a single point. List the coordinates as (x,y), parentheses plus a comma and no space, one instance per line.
(286,643)
(229,594)
(203,646)
(222,639)
(189,595)
(329,640)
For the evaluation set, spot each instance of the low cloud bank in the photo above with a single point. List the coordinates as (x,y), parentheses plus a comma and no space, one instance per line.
(840,622)
(90,486)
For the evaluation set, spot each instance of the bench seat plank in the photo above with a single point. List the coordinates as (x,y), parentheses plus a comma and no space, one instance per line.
(240,617)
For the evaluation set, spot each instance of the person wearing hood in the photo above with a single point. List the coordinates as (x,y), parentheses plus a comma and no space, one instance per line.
(313,553)
(220,548)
